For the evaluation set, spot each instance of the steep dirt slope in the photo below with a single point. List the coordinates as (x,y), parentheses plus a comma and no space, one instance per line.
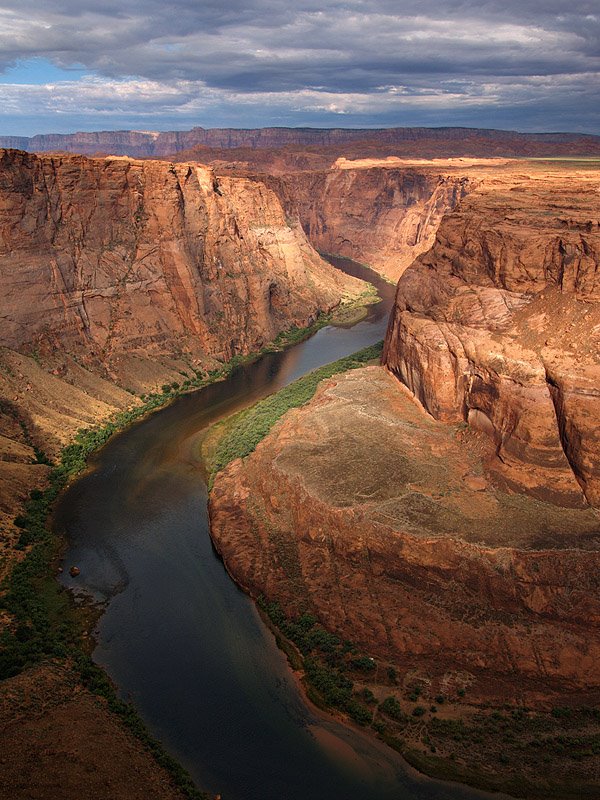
(41,409)
(499,325)
(139,268)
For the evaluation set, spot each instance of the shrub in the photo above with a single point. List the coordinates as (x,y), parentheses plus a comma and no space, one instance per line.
(364,664)
(392,708)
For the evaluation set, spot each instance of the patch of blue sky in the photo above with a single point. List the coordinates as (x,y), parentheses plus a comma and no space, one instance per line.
(38,71)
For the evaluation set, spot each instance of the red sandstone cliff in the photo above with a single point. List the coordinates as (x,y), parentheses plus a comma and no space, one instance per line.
(363,510)
(381,216)
(499,325)
(438,545)
(138,267)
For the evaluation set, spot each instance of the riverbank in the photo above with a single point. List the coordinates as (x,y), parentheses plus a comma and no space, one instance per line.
(301,520)
(45,627)
(47,646)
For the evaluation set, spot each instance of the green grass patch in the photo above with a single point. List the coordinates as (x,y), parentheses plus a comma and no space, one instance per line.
(244,430)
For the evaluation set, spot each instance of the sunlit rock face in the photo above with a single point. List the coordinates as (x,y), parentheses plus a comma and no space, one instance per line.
(374,213)
(124,262)
(498,325)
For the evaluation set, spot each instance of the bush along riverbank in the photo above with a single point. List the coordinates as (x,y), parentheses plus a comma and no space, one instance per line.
(516,750)
(238,435)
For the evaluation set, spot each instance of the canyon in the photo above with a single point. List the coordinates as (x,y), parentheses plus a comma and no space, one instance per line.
(376,212)
(120,279)
(119,276)
(439,511)
(113,261)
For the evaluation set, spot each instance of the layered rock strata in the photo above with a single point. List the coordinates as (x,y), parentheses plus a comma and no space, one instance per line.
(118,276)
(146,267)
(378,519)
(439,141)
(498,325)
(377,214)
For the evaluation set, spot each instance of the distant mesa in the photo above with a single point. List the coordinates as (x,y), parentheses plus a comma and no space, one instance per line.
(427,142)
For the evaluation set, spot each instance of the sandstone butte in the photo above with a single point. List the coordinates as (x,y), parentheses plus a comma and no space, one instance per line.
(441,511)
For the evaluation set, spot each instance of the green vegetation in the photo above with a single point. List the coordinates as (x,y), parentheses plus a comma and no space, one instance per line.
(488,749)
(243,431)
(392,708)
(326,662)
(503,751)
(46,624)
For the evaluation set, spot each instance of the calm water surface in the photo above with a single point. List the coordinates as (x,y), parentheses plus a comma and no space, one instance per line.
(180,640)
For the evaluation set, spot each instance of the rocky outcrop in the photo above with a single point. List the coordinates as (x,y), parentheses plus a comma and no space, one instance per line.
(412,141)
(381,216)
(498,325)
(365,511)
(143,269)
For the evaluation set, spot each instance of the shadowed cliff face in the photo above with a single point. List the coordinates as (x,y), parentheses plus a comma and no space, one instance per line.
(381,216)
(499,325)
(128,264)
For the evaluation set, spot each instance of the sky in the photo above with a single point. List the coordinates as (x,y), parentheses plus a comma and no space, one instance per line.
(530,65)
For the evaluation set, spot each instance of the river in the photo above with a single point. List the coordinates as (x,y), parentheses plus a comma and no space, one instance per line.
(177,636)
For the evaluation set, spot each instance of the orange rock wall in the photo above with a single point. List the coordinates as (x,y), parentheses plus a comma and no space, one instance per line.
(110,258)
(499,325)
(383,217)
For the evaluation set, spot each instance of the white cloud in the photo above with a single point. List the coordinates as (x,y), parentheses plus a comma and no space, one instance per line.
(175,59)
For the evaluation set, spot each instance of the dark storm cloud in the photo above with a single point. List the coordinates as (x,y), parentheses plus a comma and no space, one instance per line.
(371,62)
